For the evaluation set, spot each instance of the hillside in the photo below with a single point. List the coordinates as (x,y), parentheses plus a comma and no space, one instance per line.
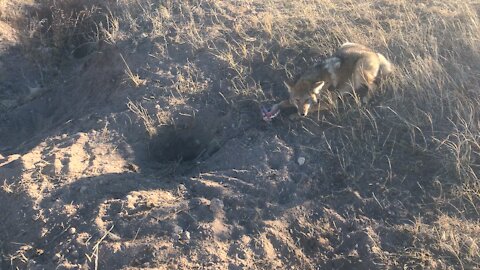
(131,137)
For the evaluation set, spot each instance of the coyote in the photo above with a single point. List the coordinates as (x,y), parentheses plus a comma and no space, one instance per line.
(353,68)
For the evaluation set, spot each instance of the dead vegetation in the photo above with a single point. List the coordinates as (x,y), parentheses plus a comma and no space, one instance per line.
(412,154)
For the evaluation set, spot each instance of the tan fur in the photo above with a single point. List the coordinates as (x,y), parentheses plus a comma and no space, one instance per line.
(350,68)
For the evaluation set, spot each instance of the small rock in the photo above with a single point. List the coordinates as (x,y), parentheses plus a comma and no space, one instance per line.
(242,255)
(245,239)
(72,230)
(35,90)
(57,257)
(132,167)
(182,190)
(130,201)
(301,161)
(186,236)
(216,205)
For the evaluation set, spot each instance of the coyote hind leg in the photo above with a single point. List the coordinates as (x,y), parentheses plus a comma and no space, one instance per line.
(363,79)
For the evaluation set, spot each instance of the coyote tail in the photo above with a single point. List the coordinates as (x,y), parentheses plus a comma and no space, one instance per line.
(385,66)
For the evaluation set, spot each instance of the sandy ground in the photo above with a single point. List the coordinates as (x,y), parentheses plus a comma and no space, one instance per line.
(85,186)
(91,187)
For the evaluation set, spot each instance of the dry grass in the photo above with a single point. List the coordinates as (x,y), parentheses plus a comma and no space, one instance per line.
(132,77)
(427,111)
(143,114)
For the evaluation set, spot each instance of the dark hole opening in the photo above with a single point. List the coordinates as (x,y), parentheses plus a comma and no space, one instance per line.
(183,145)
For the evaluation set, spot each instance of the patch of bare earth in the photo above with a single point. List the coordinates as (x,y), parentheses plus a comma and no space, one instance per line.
(131,137)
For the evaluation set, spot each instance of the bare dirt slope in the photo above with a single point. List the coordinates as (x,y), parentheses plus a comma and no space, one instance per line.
(131,137)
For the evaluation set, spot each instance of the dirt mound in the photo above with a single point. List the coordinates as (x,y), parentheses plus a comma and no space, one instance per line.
(76,99)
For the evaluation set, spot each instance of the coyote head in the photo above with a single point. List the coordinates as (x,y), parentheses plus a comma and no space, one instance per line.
(303,95)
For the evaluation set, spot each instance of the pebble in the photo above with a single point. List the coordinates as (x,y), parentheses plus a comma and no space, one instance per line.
(132,167)
(57,257)
(182,190)
(72,230)
(301,161)
(186,235)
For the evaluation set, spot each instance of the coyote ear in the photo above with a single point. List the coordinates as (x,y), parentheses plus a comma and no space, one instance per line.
(289,85)
(317,87)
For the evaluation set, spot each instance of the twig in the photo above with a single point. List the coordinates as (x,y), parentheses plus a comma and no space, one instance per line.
(96,248)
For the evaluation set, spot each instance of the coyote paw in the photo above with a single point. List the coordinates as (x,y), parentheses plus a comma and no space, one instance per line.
(268,115)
